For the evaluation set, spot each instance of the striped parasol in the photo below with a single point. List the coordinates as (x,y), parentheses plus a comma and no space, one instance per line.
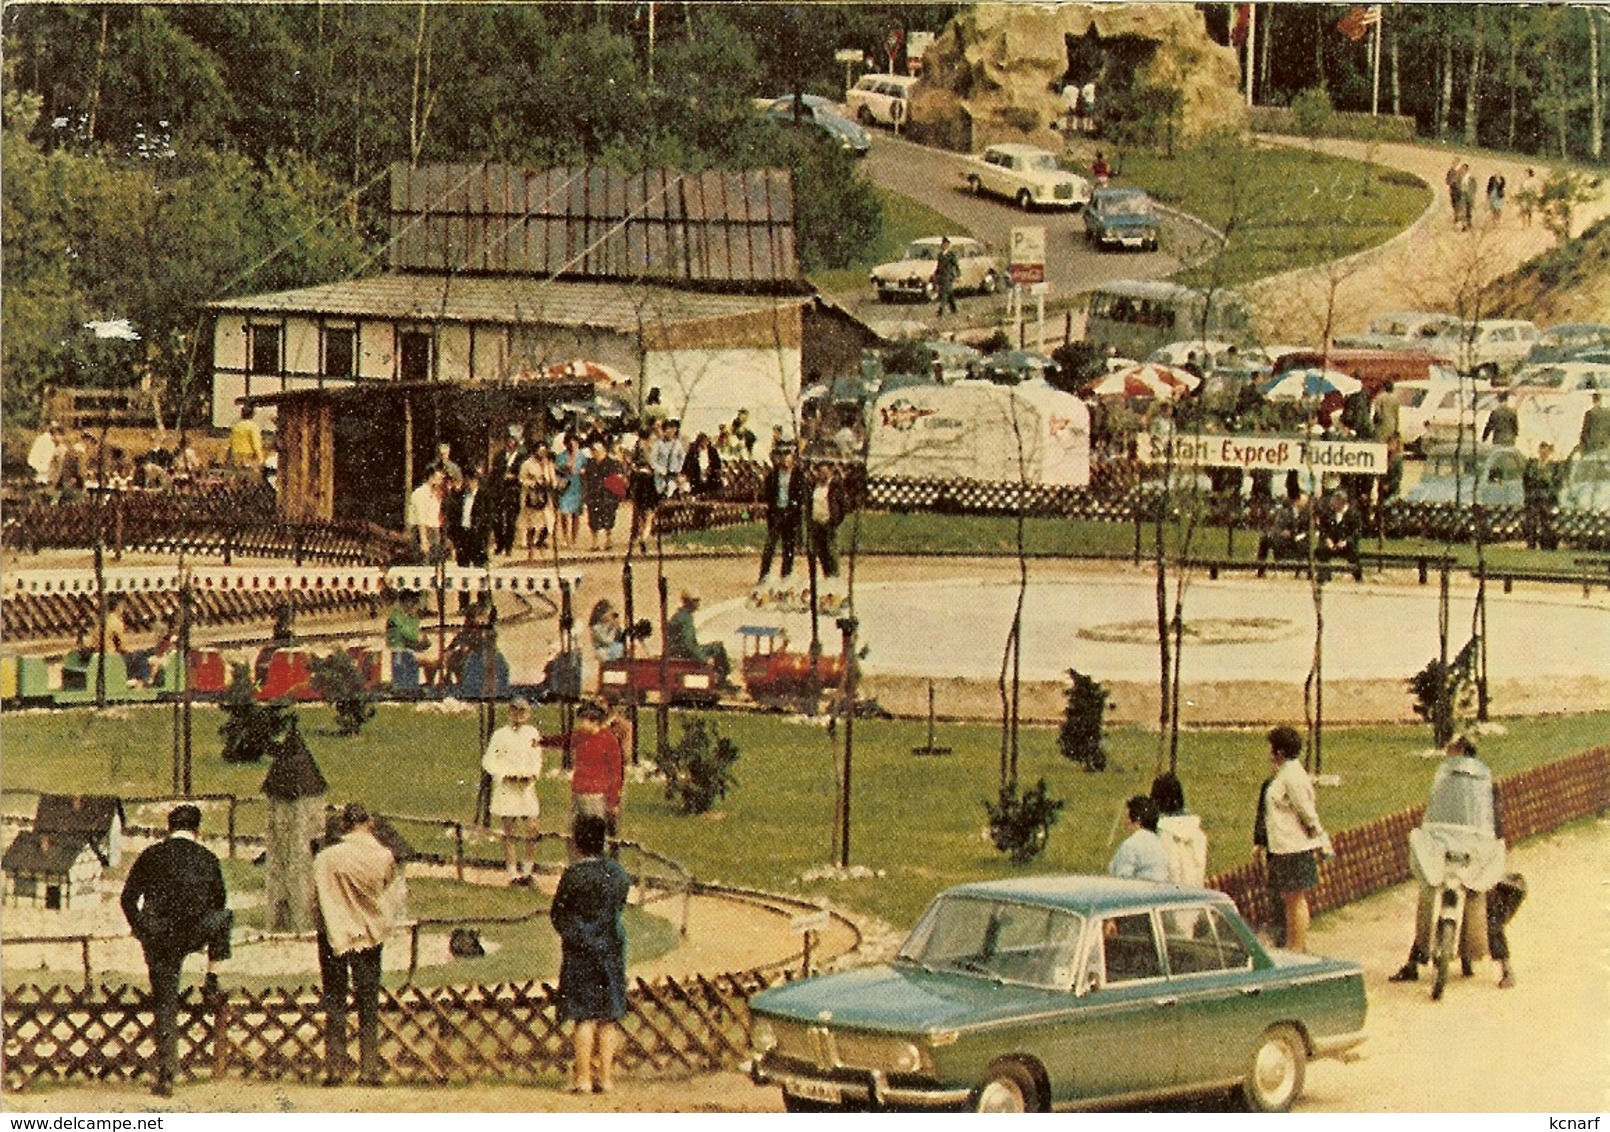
(1149,380)
(1303,384)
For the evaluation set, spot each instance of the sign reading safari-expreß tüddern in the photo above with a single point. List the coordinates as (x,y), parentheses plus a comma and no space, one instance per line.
(1267,453)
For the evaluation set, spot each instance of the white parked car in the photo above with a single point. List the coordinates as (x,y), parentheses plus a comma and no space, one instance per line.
(1556,378)
(1491,348)
(1438,396)
(912,276)
(880,99)
(1399,330)
(1029,176)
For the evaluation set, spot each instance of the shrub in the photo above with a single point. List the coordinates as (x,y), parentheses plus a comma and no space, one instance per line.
(698,769)
(1313,113)
(1445,697)
(1021,826)
(337,679)
(251,730)
(1083,721)
(1077,363)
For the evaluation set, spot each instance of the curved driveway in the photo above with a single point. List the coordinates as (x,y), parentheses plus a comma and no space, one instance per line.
(933,177)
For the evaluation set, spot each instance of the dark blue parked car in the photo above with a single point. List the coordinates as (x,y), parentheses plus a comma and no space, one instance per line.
(1121,218)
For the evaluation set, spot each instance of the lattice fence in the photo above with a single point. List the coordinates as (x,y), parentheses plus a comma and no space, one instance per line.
(223,520)
(1375,856)
(437,1035)
(30,616)
(428,1035)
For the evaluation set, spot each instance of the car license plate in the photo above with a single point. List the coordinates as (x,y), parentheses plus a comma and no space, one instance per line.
(816,1091)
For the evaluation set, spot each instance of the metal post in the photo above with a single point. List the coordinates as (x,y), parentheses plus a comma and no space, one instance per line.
(847,627)
(662,709)
(187,695)
(629,611)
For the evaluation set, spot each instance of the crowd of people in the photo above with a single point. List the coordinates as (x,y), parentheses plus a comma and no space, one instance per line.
(1464,190)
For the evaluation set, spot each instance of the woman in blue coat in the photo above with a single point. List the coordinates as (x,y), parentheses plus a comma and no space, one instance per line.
(568,467)
(587,914)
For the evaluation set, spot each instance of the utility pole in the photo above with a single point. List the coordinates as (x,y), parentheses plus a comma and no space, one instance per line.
(847,627)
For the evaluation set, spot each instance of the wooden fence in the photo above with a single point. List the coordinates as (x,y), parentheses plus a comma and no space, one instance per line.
(428,1035)
(436,1035)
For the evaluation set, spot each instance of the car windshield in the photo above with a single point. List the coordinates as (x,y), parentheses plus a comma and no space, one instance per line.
(1552,377)
(1129,206)
(1017,943)
(1411,398)
(1041,162)
(920,250)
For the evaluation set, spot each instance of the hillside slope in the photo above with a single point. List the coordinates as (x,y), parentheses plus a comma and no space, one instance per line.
(1570,283)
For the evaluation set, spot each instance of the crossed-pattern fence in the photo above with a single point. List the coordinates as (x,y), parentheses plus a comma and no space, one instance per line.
(217,519)
(432,1035)
(428,1035)
(30,616)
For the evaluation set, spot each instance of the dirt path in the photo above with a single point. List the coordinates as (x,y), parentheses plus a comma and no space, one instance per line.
(1430,266)
(1538,1047)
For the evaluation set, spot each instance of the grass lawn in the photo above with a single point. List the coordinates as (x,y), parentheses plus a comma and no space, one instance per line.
(1284,208)
(917,822)
(904,220)
(926,533)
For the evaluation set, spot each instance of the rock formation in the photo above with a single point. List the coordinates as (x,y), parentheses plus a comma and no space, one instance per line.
(995,72)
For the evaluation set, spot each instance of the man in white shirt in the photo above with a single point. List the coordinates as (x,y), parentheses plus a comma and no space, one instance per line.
(425,515)
(361,896)
(513,763)
(44,457)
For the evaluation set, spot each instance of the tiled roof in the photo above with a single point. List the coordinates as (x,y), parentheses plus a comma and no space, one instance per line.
(723,226)
(507,299)
(50,854)
(77,813)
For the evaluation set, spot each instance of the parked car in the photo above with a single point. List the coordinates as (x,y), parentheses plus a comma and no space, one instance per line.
(1491,348)
(1587,483)
(1438,395)
(1398,330)
(1027,175)
(1567,341)
(1036,993)
(1482,474)
(1014,367)
(1121,218)
(822,115)
(880,99)
(1373,367)
(1554,379)
(1465,405)
(912,276)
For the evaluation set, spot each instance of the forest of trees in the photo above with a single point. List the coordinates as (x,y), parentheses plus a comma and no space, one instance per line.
(156,157)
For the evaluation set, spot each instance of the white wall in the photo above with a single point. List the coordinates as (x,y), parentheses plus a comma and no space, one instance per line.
(706,388)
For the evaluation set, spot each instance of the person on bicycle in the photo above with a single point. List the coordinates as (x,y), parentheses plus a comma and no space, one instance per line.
(1459,756)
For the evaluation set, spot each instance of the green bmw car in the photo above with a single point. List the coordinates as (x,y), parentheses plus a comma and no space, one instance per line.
(1060,992)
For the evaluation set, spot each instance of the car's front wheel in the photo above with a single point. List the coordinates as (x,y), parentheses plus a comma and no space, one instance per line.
(1010,1087)
(975,186)
(1025,199)
(1275,1077)
(990,285)
(791,1103)
(864,115)
(930,290)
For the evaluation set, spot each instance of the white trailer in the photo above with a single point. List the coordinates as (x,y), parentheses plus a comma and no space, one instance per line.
(977,430)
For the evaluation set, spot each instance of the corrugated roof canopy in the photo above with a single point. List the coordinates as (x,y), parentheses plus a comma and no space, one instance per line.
(711,227)
(619,307)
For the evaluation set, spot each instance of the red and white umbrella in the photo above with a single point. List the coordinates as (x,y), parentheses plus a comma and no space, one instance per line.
(1150,380)
(595,372)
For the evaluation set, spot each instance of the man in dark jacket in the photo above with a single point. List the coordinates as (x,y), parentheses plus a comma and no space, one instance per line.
(502,488)
(784,495)
(174,900)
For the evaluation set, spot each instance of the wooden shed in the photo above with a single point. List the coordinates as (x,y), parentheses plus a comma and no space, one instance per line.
(685,282)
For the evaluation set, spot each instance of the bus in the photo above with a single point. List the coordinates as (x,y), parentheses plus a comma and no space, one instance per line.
(1136,316)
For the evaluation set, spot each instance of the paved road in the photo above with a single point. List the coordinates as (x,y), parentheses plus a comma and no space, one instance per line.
(933,177)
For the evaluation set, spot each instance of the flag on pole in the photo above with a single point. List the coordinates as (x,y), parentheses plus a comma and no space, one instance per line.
(1359,20)
(1243,20)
